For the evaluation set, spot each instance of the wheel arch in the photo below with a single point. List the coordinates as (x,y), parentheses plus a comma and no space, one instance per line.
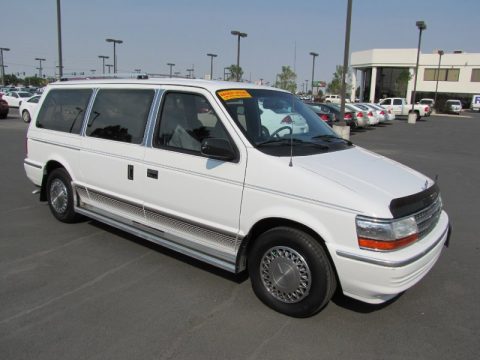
(49,167)
(266,224)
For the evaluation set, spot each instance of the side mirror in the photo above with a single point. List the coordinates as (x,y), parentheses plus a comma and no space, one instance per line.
(219,149)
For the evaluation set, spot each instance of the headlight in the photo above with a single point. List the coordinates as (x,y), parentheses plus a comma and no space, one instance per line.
(385,235)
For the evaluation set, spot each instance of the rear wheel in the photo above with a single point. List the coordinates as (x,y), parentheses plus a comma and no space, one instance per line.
(26,116)
(60,196)
(290,272)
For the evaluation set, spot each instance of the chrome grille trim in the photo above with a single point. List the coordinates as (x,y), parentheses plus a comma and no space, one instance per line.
(427,218)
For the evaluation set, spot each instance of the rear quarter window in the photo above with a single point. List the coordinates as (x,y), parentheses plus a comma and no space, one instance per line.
(64,110)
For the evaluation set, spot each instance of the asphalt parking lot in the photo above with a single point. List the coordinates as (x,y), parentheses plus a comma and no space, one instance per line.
(87,291)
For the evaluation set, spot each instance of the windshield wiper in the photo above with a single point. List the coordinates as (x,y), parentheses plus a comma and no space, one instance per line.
(327,136)
(288,141)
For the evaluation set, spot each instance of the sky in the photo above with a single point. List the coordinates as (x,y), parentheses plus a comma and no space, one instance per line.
(280,32)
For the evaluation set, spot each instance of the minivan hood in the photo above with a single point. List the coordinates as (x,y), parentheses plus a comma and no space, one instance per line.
(368,177)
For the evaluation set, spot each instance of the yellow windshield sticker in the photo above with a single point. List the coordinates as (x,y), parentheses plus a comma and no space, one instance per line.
(234,94)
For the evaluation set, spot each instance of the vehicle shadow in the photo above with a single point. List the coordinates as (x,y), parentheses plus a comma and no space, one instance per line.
(238,278)
(358,306)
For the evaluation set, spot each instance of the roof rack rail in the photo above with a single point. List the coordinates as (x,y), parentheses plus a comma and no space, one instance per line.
(138,76)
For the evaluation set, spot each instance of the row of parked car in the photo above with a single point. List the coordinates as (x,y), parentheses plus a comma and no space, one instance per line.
(357,115)
(24,98)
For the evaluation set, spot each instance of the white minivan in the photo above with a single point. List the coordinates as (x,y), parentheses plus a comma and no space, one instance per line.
(199,167)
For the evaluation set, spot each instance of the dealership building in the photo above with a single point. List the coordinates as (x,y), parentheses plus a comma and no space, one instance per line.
(381,73)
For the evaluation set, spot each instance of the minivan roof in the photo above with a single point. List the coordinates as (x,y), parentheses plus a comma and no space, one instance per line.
(206,84)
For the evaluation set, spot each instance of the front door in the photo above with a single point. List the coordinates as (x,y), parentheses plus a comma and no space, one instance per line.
(192,198)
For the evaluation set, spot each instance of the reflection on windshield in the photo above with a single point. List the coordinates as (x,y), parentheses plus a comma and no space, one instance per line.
(268,115)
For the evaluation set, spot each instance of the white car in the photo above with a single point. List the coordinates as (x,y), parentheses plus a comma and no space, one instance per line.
(453,106)
(278,117)
(379,112)
(187,164)
(28,107)
(335,99)
(15,98)
(372,116)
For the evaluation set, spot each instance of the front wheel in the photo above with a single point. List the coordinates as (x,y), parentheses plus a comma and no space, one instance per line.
(60,196)
(290,272)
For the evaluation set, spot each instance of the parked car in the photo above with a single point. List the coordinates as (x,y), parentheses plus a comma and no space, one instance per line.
(335,99)
(15,98)
(429,102)
(278,117)
(334,109)
(372,117)
(360,115)
(327,116)
(298,211)
(28,107)
(453,106)
(400,107)
(378,111)
(4,108)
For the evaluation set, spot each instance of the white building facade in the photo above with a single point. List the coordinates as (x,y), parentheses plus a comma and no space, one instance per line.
(391,72)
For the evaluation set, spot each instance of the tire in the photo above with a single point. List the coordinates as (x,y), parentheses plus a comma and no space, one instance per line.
(60,196)
(26,116)
(278,260)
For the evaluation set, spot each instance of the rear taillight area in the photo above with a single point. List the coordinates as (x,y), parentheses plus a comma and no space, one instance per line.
(370,114)
(348,116)
(427,109)
(324,117)
(287,120)
(360,114)
(382,112)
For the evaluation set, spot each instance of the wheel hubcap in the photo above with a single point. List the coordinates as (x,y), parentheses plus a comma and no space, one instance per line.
(285,274)
(58,196)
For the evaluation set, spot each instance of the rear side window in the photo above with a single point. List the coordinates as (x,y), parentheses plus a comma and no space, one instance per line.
(397,102)
(63,110)
(120,115)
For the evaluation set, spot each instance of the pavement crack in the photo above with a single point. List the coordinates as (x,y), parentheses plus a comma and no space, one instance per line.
(264,343)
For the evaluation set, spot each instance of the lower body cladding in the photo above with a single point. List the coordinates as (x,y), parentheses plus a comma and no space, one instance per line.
(378,277)
(204,244)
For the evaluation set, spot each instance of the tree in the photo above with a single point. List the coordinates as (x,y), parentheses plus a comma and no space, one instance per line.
(402,82)
(235,73)
(11,80)
(286,79)
(335,86)
(35,81)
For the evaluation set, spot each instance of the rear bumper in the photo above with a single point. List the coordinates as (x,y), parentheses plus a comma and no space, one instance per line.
(380,277)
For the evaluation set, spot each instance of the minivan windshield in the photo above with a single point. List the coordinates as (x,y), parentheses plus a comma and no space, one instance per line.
(276,121)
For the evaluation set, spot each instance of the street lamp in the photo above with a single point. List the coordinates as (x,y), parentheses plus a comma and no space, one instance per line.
(314,55)
(440,54)
(171,66)
(115,42)
(306,86)
(40,66)
(190,73)
(2,65)
(59,38)
(346,52)
(103,57)
(211,64)
(239,35)
(412,118)
(109,66)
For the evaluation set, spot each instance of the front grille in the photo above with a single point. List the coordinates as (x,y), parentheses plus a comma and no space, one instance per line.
(427,218)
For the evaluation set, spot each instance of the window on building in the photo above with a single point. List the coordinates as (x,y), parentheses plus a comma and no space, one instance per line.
(475,75)
(120,115)
(63,110)
(443,75)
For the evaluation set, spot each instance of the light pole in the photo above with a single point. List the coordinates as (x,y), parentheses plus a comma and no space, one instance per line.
(59,36)
(2,65)
(306,86)
(346,52)
(421,26)
(314,55)
(109,66)
(225,73)
(171,66)
(115,42)
(440,54)
(239,35)
(103,57)
(211,64)
(190,73)
(40,66)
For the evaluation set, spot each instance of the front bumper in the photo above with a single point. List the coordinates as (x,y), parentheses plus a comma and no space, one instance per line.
(378,277)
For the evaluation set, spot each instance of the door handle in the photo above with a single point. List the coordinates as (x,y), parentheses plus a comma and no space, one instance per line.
(130,172)
(152,173)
